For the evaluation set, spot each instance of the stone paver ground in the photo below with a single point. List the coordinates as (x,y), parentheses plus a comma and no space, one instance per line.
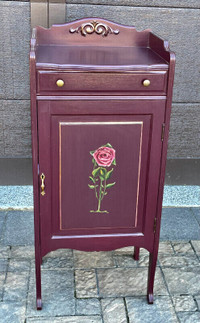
(99,287)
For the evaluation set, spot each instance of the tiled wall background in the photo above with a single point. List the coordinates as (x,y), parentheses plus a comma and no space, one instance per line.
(177,21)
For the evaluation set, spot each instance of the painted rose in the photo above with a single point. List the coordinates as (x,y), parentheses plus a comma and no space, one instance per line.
(104,156)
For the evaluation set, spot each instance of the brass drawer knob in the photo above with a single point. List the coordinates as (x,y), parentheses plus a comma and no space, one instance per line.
(146,82)
(60,83)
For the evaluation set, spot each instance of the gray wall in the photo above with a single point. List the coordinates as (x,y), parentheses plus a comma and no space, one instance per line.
(178,22)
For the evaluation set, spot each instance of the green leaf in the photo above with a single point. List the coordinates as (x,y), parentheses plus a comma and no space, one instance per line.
(114,162)
(108,145)
(96,172)
(110,185)
(109,173)
(92,179)
(92,186)
(92,152)
(102,173)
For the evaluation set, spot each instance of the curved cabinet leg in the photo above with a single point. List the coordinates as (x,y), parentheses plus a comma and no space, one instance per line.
(38,260)
(38,283)
(39,304)
(151,275)
(136,253)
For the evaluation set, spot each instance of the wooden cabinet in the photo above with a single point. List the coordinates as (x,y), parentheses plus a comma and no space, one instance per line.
(100,105)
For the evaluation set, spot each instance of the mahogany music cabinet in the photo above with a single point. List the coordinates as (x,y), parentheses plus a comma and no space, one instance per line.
(100,104)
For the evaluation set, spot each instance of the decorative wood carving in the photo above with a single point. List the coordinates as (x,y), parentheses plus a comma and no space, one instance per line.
(94,27)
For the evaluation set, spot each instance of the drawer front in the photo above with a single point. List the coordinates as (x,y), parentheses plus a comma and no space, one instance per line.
(102,82)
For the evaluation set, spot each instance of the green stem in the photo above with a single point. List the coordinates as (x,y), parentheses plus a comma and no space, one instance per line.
(99,201)
(104,189)
(95,190)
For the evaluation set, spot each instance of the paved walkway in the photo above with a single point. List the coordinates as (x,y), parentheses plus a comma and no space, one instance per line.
(104,287)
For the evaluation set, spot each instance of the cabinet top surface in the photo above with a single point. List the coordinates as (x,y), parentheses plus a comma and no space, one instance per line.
(97,57)
(98,44)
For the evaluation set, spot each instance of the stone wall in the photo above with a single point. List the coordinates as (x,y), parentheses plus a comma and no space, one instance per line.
(177,21)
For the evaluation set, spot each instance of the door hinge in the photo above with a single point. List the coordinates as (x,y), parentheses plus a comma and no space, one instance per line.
(154,225)
(163,132)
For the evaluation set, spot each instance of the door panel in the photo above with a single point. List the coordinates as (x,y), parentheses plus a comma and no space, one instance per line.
(80,190)
(99,168)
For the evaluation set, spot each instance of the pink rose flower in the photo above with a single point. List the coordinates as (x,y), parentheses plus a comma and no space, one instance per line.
(104,156)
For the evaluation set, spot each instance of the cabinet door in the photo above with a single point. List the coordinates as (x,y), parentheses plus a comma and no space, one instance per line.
(101,161)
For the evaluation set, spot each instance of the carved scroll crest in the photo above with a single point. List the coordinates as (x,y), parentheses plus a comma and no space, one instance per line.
(94,27)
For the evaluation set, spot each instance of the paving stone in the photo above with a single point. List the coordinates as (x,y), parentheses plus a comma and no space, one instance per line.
(197,299)
(189,317)
(16,286)
(184,303)
(127,282)
(57,263)
(196,212)
(63,305)
(93,259)
(19,228)
(125,260)
(165,247)
(18,265)
(125,250)
(66,319)
(140,311)
(4,252)
(128,261)
(12,312)
(89,306)
(179,224)
(178,260)
(129,251)
(182,247)
(2,280)
(2,221)
(113,310)
(183,280)
(57,294)
(86,284)
(2,225)
(27,252)
(59,253)
(196,245)
(3,265)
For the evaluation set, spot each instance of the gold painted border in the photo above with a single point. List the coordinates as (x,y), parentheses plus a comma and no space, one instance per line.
(100,123)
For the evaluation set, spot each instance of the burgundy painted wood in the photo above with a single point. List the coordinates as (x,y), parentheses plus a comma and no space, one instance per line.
(102,101)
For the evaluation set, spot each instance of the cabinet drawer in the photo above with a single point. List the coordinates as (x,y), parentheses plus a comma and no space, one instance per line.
(101,82)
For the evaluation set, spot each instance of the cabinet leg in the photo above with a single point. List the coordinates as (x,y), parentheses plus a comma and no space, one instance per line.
(136,253)
(151,275)
(38,284)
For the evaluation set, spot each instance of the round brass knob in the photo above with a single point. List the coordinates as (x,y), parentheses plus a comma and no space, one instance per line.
(146,82)
(60,83)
